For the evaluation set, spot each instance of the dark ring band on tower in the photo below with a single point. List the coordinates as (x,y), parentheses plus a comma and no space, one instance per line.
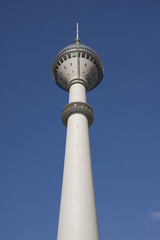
(77,107)
(78,80)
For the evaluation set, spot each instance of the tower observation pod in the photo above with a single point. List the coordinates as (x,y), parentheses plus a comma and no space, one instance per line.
(77,69)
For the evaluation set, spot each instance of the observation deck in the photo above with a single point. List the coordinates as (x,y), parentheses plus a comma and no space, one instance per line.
(77,63)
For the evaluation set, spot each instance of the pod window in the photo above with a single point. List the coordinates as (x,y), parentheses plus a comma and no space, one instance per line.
(91,59)
(65,58)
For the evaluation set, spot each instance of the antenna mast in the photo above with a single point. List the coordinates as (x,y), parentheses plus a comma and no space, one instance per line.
(77,35)
(77,31)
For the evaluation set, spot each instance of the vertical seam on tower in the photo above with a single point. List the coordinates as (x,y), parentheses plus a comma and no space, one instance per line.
(78,63)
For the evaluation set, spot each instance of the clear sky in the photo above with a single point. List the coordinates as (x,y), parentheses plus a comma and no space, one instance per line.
(125,136)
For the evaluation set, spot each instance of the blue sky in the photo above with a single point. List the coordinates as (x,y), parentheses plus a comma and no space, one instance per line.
(125,136)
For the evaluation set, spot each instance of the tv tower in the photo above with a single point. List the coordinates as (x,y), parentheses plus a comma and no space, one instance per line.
(77,69)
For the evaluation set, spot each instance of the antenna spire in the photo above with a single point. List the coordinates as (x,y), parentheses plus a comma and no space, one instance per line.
(77,40)
(77,31)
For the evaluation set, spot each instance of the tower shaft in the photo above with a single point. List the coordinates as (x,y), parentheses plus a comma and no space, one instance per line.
(77,93)
(77,219)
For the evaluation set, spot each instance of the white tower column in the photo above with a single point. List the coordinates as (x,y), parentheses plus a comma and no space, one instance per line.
(77,69)
(77,93)
(77,218)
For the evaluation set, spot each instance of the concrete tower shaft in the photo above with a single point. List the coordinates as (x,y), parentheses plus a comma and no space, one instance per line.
(77,68)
